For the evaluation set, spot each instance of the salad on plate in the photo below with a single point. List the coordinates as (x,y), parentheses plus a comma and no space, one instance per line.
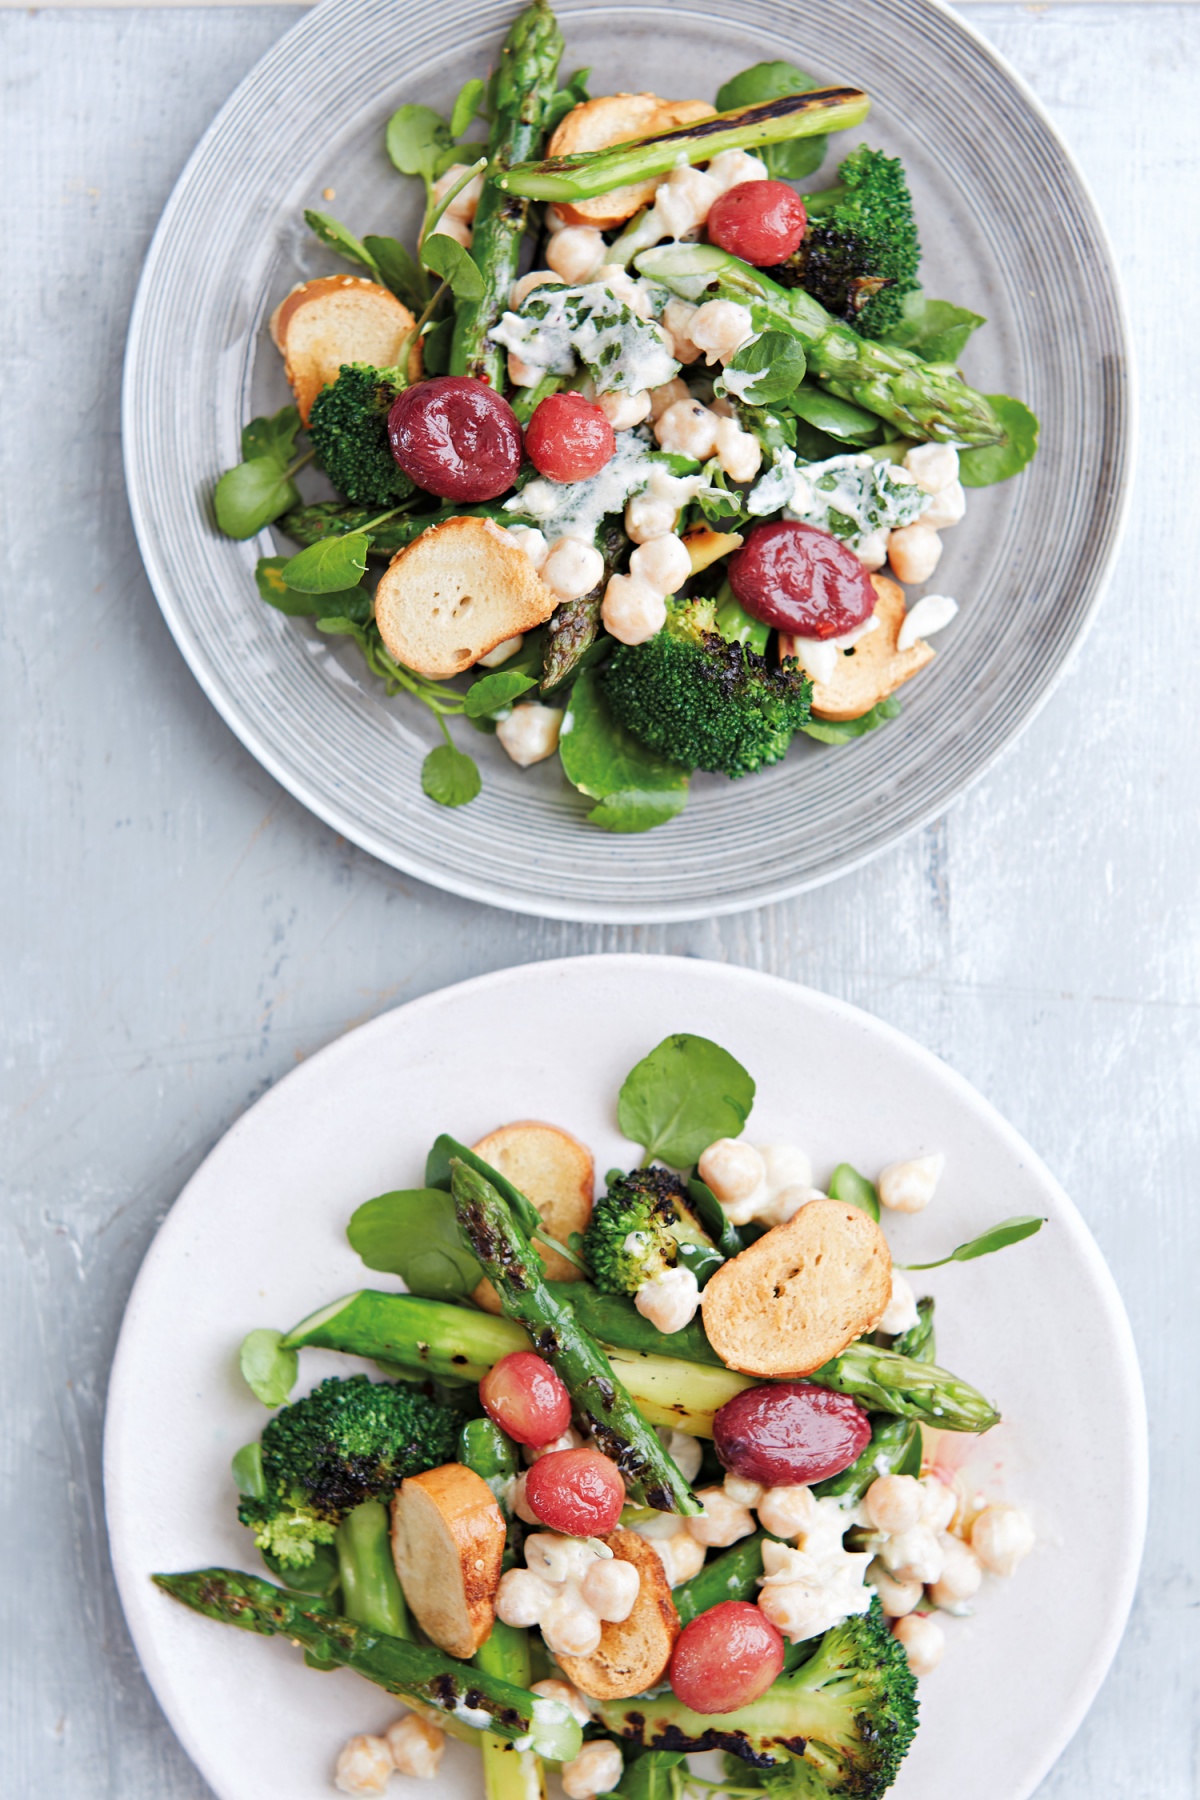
(651,1474)
(645,436)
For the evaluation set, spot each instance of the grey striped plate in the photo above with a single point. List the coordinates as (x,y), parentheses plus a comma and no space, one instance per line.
(1008,229)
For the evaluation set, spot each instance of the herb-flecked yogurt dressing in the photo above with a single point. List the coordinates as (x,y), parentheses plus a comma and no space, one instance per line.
(556,326)
(849,496)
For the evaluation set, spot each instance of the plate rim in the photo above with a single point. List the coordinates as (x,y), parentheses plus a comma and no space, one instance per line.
(349,1044)
(524,899)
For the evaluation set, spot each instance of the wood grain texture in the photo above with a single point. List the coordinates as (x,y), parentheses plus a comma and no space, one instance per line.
(180,933)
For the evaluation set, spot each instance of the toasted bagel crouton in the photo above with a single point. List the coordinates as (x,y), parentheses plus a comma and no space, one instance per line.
(337,319)
(447,1544)
(875,668)
(633,1655)
(556,1172)
(615,119)
(456,592)
(801,1293)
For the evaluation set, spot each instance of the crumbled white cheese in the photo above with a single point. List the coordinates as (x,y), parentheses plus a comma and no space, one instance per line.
(930,614)
(818,657)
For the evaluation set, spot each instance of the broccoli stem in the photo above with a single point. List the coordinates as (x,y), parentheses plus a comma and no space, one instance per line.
(589,173)
(417,1673)
(920,399)
(524,87)
(371,1593)
(608,1413)
(733,1576)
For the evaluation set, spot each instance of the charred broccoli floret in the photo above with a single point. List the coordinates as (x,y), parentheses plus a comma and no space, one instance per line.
(348,1441)
(839,1724)
(860,254)
(348,429)
(704,701)
(644,1225)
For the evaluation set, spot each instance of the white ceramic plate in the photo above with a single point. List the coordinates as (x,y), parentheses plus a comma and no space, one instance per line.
(257,1238)
(1008,229)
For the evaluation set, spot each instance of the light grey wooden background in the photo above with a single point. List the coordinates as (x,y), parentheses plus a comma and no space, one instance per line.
(178,933)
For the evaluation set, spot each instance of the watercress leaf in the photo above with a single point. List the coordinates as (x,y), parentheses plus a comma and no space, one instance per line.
(853,1189)
(352,606)
(844,731)
(437,1175)
(250,495)
(335,236)
(1009,1231)
(399,271)
(980,468)
(466,106)
(273,588)
(435,346)
(682,1097)
(566,99)
(491,692)
(714,1218)
(330,565)
(448,259)
(648,1777)
(414,1233)
(449,776)
(836,417)
(275,436)
(796,158)
(467,152)
(607,763)
(934,330)
(268,1371)
(415,137)
(247,1469)
(776,361)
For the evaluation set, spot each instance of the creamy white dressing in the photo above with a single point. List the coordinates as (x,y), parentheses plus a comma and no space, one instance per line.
(555,326)
(818,657)
(849,496)
(575,508)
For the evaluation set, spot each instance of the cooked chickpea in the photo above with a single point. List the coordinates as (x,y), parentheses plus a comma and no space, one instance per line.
(530,733)
(681,1556)
(732,167)
(683,200)
(522,1596)
(721,327)
(364,1766)
(525,284)
(596,1770)
(417,1747)
(738,452)
(873,548)
(685,1452)
(1001,1537)
(666,395)
(568,1628)
(566,1695)
(908,1187)
(961,1575)
(572,568)
(522,373)
(900,1313)
(687,429)
(914,552)
(503,651)
(949,505)
(745,1492)
(625,410)
(732,1169)
(896,1597)
(529,539)
(623,287)
(939,1504)
(610,1588)
(924,1642)
(722,1522)
(451,226)
(786,1511)
(649,516)
(465,204)
(677,316)
(934,466)
(662,562)
(632,610)
(785,1166)
(893,1503)
(670,1300)
(575,253)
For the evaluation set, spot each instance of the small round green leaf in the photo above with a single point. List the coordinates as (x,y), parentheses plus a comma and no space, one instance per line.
(1009,1231)
(853,1189)
(329,566)
(982,468)
(449,776)
(249,496)
(268,1370)
(682,1097)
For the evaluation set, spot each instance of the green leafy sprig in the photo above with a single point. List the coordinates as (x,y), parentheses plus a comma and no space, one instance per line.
(262,486)
(682,1097)
(1009,1231)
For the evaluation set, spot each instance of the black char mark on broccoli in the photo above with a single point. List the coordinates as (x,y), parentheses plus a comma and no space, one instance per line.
(348,1441)
(348,429)
(703,701)
(636,1230)
(860,254)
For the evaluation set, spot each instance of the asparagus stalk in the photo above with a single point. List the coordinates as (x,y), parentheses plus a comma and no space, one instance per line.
(588,173)
(524,86)
(330,518)
(918,1341)
(425,1336)
(887,1382)
(891,1441)
(418,1673)
(918,399)
(606,1410)
(733,1576)
(371,1593)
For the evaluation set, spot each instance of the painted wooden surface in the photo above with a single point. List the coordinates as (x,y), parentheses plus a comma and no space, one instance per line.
(179,933)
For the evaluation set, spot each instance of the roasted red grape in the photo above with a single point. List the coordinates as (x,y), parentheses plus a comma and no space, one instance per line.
(801,580)
(568,438)
(725,1658)
(523,1395)
(456,437)
(578,1492)
(790,1433)
(760,221)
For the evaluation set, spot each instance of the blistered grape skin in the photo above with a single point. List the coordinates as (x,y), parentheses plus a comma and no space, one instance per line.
(790,1433)
(523,1395)
(568,439)
(760,221)
(725,1658)
(456,437)
(577,1492)
(801,580)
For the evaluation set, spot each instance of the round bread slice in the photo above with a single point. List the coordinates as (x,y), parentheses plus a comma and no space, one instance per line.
(801,1293)
(337,319)
(456,592)
(633,1655)
(448,1544)
(615,119)
(875,667)
(556,1172)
